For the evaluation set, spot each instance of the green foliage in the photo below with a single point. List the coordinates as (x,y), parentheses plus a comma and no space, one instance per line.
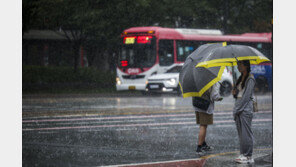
(107,18)
(100,22)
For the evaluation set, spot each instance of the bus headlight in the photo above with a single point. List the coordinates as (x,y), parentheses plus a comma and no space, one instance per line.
(118,82)
(171,81)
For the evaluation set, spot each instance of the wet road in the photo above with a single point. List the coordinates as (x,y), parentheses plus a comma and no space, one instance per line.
(96,131)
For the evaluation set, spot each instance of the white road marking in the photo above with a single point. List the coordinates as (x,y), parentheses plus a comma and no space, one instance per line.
(126,117)
(154,163)
(133,125)
(87,122)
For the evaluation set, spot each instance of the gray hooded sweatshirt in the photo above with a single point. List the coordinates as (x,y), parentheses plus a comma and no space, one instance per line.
(245,102)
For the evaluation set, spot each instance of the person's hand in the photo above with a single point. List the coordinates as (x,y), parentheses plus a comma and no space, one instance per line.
(220,99)
(234,91)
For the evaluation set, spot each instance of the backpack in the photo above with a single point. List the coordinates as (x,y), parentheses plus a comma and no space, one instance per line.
(202,102)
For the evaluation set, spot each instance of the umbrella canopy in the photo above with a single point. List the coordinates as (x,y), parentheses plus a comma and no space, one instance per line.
(229,55)
(195,81)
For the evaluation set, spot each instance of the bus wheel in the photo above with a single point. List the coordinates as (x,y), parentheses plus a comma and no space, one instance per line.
(225,90)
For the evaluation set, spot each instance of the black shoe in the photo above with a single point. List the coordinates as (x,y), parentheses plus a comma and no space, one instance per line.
(206,147)
(200,151)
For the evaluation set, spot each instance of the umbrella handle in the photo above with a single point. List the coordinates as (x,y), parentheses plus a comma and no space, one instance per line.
(234,81)
(233,76)
(233,73)
(221,84)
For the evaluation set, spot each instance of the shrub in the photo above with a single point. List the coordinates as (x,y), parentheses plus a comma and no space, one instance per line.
(42,78)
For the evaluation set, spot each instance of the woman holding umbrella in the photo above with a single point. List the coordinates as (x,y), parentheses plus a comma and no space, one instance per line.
(243,111)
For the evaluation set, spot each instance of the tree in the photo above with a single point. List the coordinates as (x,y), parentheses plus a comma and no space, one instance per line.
(249,16)
(66,17)
(97,24)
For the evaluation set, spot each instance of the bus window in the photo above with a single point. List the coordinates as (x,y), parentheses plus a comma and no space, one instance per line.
(166,52)
(185,48)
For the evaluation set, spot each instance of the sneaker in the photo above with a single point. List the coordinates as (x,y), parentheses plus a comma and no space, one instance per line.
(200,151)
(239,157)
(244,159)
(206,147)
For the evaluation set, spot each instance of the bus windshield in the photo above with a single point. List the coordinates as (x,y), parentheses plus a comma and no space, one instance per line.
(138,54)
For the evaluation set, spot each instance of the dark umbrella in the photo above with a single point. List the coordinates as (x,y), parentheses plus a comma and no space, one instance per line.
(229,55)
(195,81)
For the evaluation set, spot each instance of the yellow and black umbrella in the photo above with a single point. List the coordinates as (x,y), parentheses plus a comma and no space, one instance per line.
(229,55)
(205,66)
(194,82)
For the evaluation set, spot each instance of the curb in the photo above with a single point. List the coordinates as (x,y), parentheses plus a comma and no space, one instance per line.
(200,162)
(177,163)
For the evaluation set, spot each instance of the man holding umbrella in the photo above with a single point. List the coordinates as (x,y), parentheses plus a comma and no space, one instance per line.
(204,116)
(202,85)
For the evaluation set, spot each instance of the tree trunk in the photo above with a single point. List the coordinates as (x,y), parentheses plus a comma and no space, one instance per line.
(92,53)
(76,55)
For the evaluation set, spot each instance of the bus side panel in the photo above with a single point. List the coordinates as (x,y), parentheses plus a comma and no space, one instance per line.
(268,69)
(263,73)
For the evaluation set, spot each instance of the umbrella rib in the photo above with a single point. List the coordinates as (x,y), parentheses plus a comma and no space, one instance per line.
(211,83)
(231,61)
(206,87)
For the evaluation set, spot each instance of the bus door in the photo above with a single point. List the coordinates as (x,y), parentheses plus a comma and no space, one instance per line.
(165,54)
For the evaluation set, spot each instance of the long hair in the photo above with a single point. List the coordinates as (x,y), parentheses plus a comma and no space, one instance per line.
(248,65)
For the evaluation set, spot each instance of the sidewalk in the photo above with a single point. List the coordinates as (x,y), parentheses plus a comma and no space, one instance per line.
(262,158)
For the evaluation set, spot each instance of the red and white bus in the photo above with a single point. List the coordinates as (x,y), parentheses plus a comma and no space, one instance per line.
(146,51)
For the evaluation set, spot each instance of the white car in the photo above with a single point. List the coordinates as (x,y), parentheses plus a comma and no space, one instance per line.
(166,82)
(169,81)
(227,82)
